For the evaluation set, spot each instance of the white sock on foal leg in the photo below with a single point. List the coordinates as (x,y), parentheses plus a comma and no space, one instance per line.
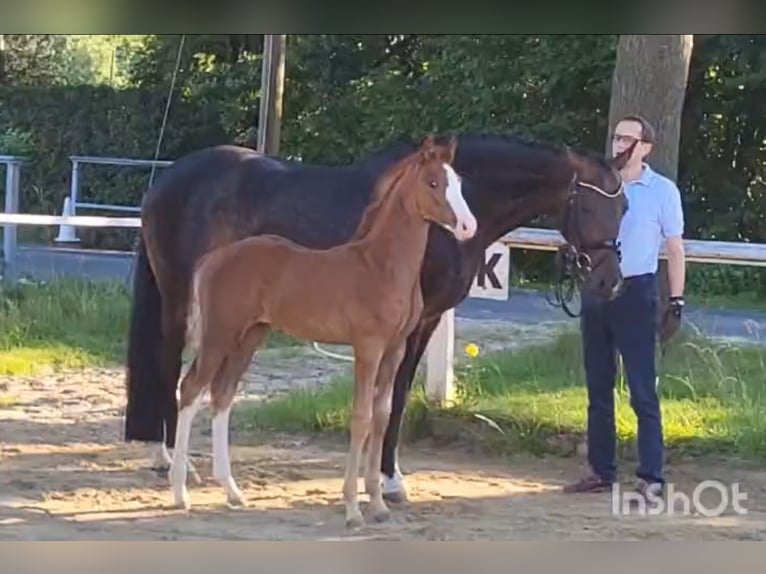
(178,468)
(221,462)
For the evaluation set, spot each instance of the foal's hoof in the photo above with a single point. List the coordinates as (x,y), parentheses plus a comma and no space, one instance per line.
(182,502)
(236,500)
(355,521)
(193,473)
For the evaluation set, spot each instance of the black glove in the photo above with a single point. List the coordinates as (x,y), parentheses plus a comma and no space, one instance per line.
(671,318)
(676,306)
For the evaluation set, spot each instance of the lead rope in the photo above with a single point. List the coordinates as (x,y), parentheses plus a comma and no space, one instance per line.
(167,108)
(332,355)
(159,140)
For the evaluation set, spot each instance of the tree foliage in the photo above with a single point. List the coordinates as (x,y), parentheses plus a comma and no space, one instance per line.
(348,94)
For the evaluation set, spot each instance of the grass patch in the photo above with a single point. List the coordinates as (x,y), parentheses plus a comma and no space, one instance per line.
(69,323)
(713,401)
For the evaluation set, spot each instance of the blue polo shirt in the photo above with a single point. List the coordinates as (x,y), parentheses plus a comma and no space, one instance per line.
(654,213)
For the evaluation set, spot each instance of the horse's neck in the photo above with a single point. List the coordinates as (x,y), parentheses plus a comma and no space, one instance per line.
(506,194)
(500,210)
(396,241)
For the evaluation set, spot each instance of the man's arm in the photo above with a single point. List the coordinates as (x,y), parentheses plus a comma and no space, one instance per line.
(673,230)
(676,265)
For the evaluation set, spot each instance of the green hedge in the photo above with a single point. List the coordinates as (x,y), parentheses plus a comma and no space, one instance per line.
(65,121)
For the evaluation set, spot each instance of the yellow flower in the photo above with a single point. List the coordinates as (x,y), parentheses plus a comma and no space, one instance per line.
(472,350)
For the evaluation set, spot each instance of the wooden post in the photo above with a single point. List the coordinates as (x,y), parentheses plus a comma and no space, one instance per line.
(440,356)
(272,88)
(2,57)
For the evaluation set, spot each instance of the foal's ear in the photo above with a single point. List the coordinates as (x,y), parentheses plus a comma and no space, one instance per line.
(427,149)
(428,143)
(451,149)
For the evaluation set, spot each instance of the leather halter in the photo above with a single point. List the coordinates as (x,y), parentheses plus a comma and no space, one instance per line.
(573,262)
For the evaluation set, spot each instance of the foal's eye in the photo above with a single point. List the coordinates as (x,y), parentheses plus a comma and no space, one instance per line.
(432,183)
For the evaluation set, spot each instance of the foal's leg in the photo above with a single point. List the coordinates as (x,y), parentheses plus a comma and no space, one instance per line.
(170,361)
(193,385)
(222,393)
(384,386)
(366,363)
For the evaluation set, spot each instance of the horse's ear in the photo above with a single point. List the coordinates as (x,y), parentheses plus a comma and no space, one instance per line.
(574,160)
(619,161)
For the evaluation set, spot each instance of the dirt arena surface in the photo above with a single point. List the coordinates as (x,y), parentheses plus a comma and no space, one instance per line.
(66,474)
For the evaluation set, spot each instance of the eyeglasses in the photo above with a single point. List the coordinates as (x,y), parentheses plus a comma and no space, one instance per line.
(620,138)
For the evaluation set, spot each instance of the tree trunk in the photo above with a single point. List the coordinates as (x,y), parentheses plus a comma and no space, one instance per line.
(650,78)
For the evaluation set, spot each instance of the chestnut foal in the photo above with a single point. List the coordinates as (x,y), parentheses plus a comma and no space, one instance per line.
(365,293)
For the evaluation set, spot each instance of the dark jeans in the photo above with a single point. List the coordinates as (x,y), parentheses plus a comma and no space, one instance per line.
(626,325)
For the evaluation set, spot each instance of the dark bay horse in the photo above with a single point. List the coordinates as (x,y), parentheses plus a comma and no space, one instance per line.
(217,195)
(365,293)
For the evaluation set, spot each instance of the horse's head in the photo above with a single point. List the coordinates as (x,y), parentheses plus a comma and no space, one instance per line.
(591,223)
(438,190)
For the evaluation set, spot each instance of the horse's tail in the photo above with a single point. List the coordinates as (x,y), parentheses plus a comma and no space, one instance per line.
(143,414)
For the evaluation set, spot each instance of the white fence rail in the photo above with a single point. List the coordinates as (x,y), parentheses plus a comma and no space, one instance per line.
(440,353)
(74,185)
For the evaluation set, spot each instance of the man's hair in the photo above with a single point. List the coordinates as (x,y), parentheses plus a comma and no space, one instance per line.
(647,130)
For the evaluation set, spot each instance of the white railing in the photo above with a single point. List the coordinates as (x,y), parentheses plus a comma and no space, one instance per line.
(439,355)
(74,200)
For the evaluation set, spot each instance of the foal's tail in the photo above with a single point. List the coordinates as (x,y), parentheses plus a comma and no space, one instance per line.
(194,316)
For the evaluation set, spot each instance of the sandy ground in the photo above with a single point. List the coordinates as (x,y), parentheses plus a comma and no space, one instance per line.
(66,474)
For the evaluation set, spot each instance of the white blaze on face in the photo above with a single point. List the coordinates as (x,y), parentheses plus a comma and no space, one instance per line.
(466,222)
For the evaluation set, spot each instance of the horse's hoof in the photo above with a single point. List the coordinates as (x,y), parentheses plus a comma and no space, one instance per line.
(381,516)
(393,488)
(395,497)
(161,470)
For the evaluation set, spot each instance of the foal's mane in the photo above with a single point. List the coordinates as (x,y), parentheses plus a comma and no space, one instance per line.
(385,188)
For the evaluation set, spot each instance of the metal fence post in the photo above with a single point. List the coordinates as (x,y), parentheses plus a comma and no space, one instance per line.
(73,191)
(12,178)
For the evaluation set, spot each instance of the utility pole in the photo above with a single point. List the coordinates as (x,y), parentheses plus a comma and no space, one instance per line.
(2,58)
(272,87)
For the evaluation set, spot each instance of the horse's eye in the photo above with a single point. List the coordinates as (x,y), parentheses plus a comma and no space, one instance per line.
(432,183)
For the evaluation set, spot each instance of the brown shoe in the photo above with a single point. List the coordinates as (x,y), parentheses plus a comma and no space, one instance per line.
(591,483)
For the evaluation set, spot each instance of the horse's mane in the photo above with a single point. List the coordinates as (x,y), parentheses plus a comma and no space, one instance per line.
(384,188)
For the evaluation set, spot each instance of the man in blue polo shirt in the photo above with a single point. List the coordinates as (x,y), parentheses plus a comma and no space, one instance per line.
(628,324)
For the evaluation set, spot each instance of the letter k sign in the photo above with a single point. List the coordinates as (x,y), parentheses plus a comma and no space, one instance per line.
(491,281)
